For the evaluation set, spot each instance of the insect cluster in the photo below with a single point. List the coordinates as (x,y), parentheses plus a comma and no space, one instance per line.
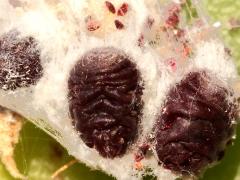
(129,87)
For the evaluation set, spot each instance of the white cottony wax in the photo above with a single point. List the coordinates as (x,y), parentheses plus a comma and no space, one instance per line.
(61,29)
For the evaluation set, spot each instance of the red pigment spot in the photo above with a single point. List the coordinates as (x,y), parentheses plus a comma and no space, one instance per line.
(173,18)
(168,125)
(110,7)
(172,63)
(123,9)
(144,148)
(119,24)
(138,157)
(142,151)
(92,24)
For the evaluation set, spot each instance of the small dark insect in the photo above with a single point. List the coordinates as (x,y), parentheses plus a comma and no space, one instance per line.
(195,124)
(123,9)
(20,64)
(110,7)
(105,100)
(119,24)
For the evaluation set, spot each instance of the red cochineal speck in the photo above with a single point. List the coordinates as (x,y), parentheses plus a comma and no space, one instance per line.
(138,157)
(110,7)
(173,18)
(92,24)
(172,63)
(123,9)
(93,27)
(119,24)
(142,151)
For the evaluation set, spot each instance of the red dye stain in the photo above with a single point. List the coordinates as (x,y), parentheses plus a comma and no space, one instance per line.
(119,24)
(92,25)
(172,63)
(122,10)
(110,7)
(173,18)
(138,157)
(142,151)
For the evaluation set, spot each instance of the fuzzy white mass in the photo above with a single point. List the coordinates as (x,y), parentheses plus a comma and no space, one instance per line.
(60,29)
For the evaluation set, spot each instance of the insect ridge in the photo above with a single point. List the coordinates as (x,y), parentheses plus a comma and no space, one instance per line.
(195,126)
(105,100)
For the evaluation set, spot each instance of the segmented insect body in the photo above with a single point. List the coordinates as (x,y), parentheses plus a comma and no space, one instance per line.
(105,100)
(195,125)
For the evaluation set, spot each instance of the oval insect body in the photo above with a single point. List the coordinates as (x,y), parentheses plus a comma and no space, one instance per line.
(195,126)
(105,100)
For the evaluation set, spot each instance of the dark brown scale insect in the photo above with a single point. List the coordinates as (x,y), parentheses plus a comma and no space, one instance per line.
(110,7)
(105,100)
(119,25)
(123,9)
(195,124)
(20,64)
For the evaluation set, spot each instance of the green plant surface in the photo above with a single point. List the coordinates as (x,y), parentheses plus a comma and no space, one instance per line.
(229,167)
(38,156)
(223,11)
